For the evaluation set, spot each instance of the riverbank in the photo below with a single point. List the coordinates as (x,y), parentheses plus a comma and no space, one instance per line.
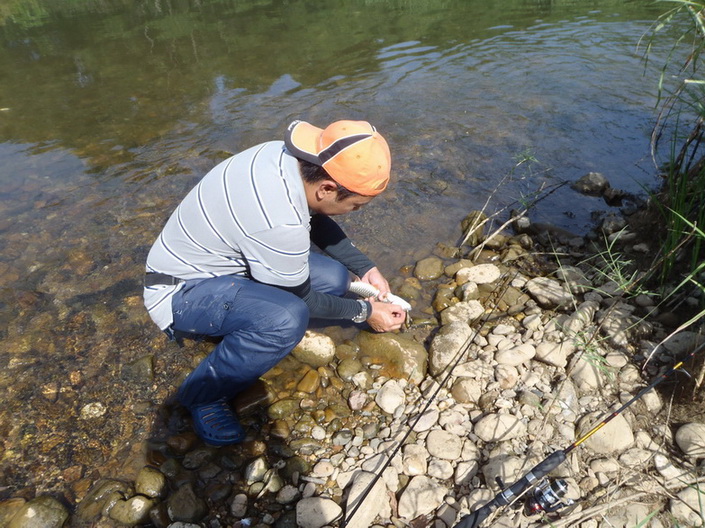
(509,357)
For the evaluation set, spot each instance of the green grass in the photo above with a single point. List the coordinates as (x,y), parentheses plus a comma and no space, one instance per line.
(680,130)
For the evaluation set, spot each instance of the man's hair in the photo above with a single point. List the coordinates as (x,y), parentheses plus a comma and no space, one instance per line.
(313,173)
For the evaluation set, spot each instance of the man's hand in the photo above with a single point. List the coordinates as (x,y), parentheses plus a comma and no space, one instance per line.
(375,278)
(385,317)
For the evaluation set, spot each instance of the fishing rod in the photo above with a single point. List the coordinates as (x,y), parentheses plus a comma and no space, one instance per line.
(539,471)
(500,290)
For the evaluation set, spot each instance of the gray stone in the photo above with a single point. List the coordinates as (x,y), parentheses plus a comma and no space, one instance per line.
(614,437)
(555,354)
(515,356)
(467,390)
(464,311)
(421,496)
(499,427)
(238,506)
(446,344)
(376,502)
(691,440)
(480,274)
(390,396)
(688,508)
(414,460)
(443,444)
(316,512)
(548,292)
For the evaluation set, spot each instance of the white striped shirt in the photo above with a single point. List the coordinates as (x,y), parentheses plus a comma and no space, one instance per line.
(248,216)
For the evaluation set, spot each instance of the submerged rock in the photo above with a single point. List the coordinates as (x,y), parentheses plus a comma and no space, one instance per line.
(41,512)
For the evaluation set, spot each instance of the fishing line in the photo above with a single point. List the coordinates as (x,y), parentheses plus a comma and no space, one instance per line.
(502,288)
(511,493)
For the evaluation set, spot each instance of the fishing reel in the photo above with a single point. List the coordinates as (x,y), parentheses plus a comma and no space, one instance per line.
(546,497)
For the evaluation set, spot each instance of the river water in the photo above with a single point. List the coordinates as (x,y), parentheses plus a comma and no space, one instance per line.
(111,111)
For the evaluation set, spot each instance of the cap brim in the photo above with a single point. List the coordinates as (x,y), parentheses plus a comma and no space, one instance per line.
(302,141)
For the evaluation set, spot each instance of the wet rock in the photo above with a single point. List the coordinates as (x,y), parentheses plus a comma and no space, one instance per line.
(185,506)
(315,350)
(612,223)
(93,410)
(357,400)
(429,268)
(238,506)
(182,443)
(593,184)
(498,427)
(140,370)
(8,509)
(283,409)
(287,494)
(421,496)
(91,507)
(150,482)
(348,367)
(40,512)
(691,440)
(473,227)
(398,355)
(316,512)
(310,382)
(134,510)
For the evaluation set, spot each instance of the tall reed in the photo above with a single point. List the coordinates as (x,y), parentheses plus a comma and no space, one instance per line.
(681,126)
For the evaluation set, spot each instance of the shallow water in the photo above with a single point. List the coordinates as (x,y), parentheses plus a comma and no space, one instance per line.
(109,113)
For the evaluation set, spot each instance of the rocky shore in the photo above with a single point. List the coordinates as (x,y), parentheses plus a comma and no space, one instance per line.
(509,356)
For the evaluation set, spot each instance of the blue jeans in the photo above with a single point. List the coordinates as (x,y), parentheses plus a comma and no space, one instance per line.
(260,324)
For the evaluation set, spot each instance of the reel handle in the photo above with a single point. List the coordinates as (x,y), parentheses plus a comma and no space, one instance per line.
(521,486)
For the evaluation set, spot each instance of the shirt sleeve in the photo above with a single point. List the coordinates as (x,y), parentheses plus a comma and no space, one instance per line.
(326,306)
(329,237)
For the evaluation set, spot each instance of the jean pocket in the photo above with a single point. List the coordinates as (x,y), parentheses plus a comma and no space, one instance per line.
(202,316)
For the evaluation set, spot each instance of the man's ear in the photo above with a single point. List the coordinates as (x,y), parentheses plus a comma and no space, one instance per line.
(325,188)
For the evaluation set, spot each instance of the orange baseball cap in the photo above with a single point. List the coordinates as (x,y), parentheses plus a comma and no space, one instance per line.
(353,153)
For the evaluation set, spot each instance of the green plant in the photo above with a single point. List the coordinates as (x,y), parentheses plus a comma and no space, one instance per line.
(681,125)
